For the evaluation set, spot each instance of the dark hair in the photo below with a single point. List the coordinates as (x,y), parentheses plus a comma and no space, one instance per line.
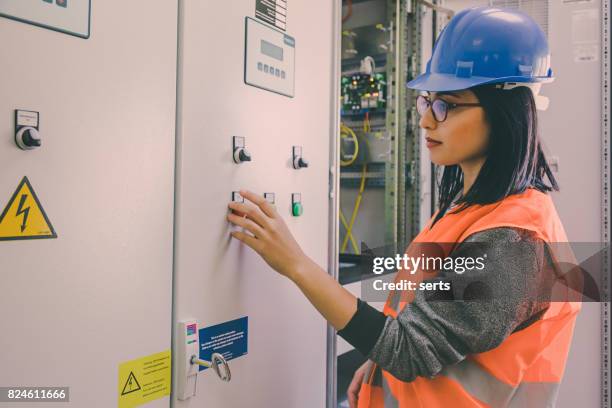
(515,160)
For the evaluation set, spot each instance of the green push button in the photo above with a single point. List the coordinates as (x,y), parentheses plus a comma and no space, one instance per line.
(297,209)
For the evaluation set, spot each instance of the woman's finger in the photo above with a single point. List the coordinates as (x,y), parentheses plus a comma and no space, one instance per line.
(353,390)
(265,206)
(251,211)
(247,224)
(352,396)
(250,240)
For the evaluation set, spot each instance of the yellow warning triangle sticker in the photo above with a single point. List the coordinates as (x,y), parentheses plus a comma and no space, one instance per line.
(24,217)
(131,384)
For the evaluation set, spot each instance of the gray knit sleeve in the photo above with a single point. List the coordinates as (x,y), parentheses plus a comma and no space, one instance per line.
(484,307)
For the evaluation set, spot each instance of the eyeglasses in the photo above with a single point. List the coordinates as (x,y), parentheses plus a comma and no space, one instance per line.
(439,107)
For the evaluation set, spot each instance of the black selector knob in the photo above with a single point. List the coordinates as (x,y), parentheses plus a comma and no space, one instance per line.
(299,162)
(239,152)
(244,155)
(30,140)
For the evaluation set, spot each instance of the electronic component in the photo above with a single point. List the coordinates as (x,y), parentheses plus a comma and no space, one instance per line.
(363,93)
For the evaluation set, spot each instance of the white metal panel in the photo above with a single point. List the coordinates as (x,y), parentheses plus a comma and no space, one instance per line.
(571,131)
(217,279)
(73,308)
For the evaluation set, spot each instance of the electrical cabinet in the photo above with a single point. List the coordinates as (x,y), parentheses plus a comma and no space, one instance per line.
(75,307)
(379,154)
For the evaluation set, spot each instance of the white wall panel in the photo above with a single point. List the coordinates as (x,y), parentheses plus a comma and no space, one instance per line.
(73,308)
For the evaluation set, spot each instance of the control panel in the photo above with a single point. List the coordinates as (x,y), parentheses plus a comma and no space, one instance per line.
(269,58)
(66,16)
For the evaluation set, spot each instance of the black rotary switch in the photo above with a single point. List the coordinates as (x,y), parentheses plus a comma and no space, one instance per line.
(31,138)
(244,155)
(299,162)
(240,153)
(28,138)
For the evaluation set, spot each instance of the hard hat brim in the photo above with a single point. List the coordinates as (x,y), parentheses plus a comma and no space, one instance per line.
(445,82)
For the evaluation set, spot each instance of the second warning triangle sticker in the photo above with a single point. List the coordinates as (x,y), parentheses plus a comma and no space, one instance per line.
(24,217)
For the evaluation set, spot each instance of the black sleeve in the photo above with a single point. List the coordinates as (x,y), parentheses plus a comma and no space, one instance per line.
(364,328)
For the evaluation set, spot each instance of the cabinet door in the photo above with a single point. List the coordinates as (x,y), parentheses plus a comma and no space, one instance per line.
(75,307)
(218,279)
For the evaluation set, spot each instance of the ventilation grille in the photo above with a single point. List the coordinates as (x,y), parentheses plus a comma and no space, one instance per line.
(537,9)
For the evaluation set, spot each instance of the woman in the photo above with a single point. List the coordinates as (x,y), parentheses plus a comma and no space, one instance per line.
(499,341)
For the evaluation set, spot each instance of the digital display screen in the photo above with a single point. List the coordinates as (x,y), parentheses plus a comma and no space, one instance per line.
(271,50)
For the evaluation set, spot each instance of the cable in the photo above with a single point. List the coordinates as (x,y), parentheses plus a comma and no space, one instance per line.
(349,230)
(346,227)
(345,132)
(349,5)
(348,132)
(367,127)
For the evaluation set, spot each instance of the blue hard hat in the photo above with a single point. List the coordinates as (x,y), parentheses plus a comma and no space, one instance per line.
(487,45)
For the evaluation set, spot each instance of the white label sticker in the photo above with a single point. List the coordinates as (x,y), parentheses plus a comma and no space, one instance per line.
(586,53)
(586,35)
(585,26)
(27,118)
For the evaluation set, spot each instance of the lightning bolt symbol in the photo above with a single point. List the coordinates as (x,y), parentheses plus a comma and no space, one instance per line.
(24,211)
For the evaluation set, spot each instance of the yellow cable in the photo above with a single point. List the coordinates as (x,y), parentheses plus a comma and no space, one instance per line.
(346,131)
(367,127)
(349,231)
(353,243)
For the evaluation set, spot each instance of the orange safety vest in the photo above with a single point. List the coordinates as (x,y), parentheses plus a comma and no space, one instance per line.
(526,369)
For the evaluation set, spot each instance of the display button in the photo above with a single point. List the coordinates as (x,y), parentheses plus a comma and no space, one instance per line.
(283,74)
(266,68)
(260,66)
(277,72)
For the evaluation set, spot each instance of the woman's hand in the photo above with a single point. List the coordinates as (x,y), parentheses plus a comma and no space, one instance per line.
(355,386)
(269,235)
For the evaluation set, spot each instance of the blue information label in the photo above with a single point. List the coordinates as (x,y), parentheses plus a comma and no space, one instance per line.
(228,339)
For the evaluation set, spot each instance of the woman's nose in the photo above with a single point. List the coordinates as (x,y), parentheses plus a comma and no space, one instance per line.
(427,120)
